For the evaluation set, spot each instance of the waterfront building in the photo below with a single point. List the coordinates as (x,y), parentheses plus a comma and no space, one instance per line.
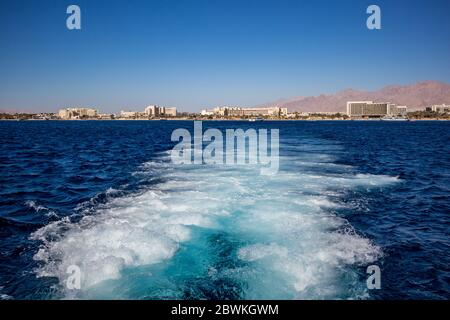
(440,108)
(63,114)
(77,113)
(105,116)
(299,114)
(402,110)
(170,112)
(240,112)
(152,111)
(157,111)
(272,111)
(222,111)
(367,109)
(206,112)
(128,114)
(396,111)
(370,109)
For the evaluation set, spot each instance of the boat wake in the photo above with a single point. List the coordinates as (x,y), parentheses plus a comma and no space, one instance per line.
(217,232)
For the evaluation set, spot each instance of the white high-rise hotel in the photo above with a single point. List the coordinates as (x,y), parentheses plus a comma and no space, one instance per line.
(370,109)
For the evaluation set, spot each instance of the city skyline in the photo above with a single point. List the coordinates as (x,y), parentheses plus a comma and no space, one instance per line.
(194,55)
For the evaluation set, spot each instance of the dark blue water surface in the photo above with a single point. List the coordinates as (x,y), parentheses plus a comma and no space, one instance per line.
(388,181)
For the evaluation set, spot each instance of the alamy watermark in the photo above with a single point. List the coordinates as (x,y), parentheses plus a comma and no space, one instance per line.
(73,21)
(374,20)
(374,279)
(238,147)
(73,281)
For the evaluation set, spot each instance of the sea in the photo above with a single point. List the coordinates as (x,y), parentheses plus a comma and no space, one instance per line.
(104,197)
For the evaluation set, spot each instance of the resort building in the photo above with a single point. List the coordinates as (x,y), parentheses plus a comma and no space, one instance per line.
(105,116)
(370,109)
(170,112)
(367,109)
(402,110)
(239,112)
(222,111)
(77,113)
(439,108)
(206,112)
(274,111)
(152,111)
(128,114)
(395,110)
(157,111)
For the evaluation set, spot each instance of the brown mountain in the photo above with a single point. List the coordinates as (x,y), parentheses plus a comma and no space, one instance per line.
(415,96)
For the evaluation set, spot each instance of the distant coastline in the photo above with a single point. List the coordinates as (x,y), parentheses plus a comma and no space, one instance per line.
(356,110)
(221,119)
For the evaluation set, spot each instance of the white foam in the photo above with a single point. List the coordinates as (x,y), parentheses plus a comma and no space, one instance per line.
(132,231)
(260,251)
(284,222)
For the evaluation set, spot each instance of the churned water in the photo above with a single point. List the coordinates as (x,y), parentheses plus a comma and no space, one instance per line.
(105,196)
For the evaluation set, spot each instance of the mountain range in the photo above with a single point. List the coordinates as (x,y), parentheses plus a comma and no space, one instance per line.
(415,96)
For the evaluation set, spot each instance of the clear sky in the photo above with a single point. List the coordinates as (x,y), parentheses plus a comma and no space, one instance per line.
(201,53)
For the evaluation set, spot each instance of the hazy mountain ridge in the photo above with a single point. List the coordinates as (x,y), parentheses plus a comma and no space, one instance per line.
(415,96)
(9,111)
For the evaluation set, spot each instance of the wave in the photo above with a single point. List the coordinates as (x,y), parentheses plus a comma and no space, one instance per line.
(4,296)
(41,209)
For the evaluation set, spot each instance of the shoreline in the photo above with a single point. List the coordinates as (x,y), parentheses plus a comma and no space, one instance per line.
(244,120)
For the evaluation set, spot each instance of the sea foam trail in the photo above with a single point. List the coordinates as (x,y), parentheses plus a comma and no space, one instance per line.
(284,238)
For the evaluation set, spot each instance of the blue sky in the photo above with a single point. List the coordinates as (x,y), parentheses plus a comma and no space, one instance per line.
(202,53)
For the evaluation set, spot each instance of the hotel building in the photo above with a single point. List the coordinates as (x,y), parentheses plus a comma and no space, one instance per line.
(370,109)
(439,108)
(129,114)
(402,110)
(239,112)
(77,113)
(170,112)
(156,111)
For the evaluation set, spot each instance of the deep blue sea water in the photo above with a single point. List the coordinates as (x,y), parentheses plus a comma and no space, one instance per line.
(105,196)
